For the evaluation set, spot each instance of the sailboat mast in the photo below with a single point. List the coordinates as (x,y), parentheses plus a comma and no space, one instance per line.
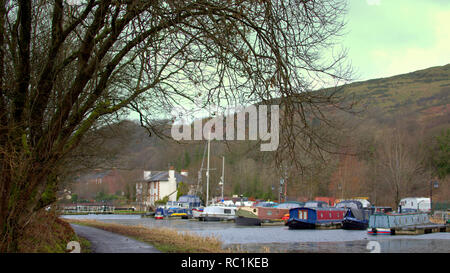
(223,173)
(207,169)
(199,181)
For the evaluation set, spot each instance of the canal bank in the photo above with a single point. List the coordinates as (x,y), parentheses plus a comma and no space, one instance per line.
(102,241)
(162,239)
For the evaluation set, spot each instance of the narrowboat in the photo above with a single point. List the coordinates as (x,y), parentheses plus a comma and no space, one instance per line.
(387,223)
(263,214)
(356,216)
(312,218)
(218,213)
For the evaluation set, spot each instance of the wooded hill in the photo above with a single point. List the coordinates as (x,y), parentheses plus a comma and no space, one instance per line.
(393,146)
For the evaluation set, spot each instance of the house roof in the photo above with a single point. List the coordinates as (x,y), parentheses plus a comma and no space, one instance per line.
(164,176)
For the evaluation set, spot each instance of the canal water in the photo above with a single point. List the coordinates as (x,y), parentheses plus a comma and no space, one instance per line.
(275,239)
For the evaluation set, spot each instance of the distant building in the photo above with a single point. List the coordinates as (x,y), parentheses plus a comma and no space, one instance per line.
(155,185)
(106,181)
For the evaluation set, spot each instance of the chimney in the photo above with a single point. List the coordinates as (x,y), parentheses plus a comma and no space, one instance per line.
(171,172)
(147,174)
(184,172)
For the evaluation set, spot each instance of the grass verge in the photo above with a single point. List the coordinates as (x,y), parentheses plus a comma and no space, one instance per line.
(46,233)
(164,239)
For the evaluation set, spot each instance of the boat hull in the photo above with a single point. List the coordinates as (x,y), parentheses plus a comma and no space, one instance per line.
(211,218)
(247,221)
(354,224)
(379,231)
(299,224)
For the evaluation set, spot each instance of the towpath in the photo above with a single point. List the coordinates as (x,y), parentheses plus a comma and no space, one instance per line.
(107,242)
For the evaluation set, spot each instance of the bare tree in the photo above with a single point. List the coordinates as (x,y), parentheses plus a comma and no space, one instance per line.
(69,66)
(398,165)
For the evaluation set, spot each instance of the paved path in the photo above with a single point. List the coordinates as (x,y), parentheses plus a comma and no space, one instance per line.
(107,242)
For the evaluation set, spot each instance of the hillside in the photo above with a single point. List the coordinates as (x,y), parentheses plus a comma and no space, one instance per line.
(422,95)
(413,102)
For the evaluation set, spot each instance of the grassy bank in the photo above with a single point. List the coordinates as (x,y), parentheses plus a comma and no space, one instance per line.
(164,239)
(46,233)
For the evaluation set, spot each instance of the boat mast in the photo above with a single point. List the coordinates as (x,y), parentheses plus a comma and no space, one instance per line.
(207,169)
(223,174)
(200,174)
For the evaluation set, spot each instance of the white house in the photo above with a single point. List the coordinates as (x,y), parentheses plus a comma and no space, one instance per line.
(156,185)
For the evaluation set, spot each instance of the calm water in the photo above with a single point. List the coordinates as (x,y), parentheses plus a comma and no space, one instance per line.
(281,239)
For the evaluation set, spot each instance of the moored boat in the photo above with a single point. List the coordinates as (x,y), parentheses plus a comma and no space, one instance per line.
(196,212)
(388,223)
(179,209)
(264,213)
(171,212)
(218,213)
(312,218)
(356,216)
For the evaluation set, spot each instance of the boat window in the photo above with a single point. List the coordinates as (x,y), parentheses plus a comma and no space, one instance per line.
(227,211)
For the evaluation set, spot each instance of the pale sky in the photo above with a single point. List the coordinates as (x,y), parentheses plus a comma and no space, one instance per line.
(390,37)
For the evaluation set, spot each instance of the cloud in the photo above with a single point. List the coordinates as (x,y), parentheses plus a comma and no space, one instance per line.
(373,2)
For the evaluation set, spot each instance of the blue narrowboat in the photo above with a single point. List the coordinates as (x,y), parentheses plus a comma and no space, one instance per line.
(356,216)
(311,218)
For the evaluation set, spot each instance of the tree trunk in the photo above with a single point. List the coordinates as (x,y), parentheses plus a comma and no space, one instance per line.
(11,232)
(26,188)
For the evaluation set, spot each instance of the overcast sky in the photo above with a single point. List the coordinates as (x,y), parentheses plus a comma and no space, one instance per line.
(390,37)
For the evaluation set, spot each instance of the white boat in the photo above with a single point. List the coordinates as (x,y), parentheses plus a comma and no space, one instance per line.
(218,213)
(197,212)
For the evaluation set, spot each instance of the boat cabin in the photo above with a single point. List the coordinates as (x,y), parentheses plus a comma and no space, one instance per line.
(316,204)
(219,210)
(317,215)
(351,204)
